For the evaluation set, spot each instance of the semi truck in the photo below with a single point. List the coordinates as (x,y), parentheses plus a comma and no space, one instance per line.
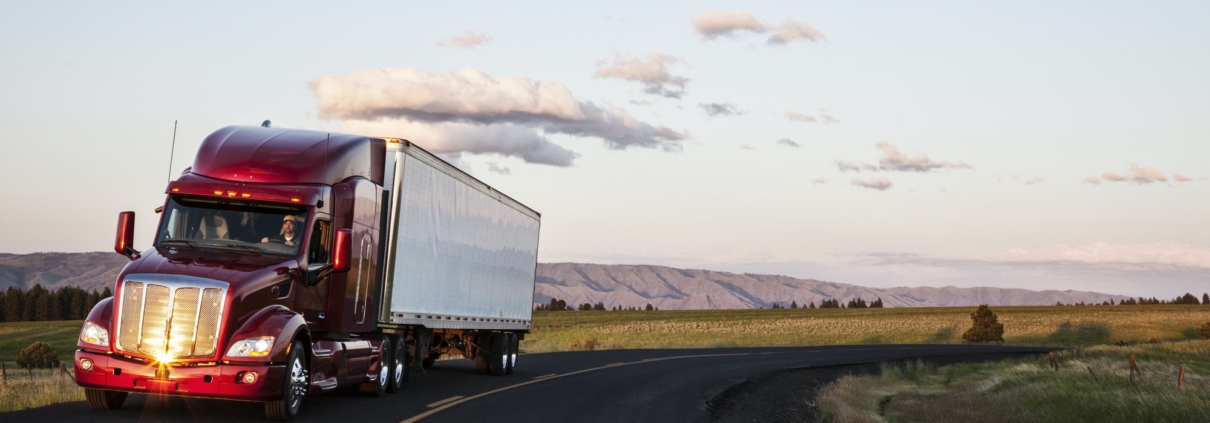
(289,263)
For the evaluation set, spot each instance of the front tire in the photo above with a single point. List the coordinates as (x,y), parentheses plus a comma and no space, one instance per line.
(104,400)
(294,387)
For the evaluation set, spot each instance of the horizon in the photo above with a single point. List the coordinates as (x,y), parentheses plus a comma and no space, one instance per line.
(934,144)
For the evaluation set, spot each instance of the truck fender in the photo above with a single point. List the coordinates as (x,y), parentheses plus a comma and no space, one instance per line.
(277,321)
(101,315)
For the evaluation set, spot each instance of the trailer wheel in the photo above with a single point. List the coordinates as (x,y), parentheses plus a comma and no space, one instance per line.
(104,400)
(499,353)
(512,353)
(399,369)
(378,387)
(294,387)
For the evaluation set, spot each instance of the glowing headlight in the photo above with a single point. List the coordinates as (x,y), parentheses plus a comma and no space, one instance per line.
(251,347)
(93,333)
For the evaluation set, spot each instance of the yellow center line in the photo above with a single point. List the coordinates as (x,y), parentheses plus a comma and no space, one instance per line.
(445,401)
(545,376)
(459,400)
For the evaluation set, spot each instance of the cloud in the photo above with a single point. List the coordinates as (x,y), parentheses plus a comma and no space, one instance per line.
(467,40)
(823,118)
(717,24)
(496,168)
(746,147)
(714,24)
(881,184)
(819,180)
(720,109)
(799,117)
(788,142)
(640,102)
(790,31)
(1092,180)
(1034,180)
(652,72)
(1141,175)
(515,111)
(894,161)
(1181,178)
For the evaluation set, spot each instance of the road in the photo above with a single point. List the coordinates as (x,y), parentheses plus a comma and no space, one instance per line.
(594,386)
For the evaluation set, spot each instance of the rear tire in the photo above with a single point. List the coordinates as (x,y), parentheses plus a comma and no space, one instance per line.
(512,353)
(104,400)
(294,386)
(499,354)
(378,387)
(483,353)
(398,372)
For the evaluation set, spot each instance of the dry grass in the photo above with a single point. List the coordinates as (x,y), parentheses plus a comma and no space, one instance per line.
(46,388)
(1062,326)
(1028,390)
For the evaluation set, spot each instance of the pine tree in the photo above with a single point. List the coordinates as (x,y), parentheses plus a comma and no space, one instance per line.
(877,303)
(812,305)
(985,327)
(1206,299)
(793,304)
(649,307)
(14,302)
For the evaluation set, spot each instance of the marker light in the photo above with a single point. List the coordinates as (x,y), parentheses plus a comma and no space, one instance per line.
(218,192)
(93,333)
(251,347)
(295,200)
(86,364)
(176,190)
(245,195)
(230,193)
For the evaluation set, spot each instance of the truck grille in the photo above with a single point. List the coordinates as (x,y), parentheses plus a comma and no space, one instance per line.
(169,320)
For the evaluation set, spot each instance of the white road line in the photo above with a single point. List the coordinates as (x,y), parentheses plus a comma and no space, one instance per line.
(447,400)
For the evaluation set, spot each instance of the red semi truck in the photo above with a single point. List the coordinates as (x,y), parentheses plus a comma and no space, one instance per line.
(288,262)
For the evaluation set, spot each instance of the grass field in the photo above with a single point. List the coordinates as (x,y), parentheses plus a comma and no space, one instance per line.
(1092,386)
(16,336)
(1053,326)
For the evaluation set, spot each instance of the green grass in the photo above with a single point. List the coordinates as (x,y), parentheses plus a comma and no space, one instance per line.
(16,336)
(1052,326)
(1028,390)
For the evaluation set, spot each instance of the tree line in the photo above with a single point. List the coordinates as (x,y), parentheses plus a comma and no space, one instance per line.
(1187,299)
(40,305)
(560,305)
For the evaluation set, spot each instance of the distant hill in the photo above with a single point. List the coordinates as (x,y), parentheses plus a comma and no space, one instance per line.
(676,289)
(626,285)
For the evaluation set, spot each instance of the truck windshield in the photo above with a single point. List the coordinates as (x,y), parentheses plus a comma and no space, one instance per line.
(221,224)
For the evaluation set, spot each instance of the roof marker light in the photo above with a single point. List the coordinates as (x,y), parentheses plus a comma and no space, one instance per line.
(245,195)
(295,200)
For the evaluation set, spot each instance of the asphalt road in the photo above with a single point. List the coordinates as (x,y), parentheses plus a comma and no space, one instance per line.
(595,386)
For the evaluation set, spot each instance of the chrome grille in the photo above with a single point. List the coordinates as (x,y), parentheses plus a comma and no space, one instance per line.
(173,319)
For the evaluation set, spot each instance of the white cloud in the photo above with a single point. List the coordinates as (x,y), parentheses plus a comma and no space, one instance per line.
(881,184)
(652,72)
(467,40)
(496,168)
(1034,180)
(819,180)
(1092,180)
(1141,175)
(1181,178)
(828,119)
(746,147)
(717,24)
(799,117)
(895,161)
(790,31)
(720,109)
(473,112)
(788,142)
(714,24)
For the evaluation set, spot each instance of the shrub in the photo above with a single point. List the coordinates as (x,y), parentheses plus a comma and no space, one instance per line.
(39,354)
(985,326)
(1204,331)
(584,344)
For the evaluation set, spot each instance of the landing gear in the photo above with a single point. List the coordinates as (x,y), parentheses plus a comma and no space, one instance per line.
(294,387)
(104,400)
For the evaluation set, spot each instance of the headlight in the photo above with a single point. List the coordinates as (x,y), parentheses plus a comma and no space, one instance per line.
(93,333)
(251,347)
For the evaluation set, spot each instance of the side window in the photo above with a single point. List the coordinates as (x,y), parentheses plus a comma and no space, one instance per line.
(321,238)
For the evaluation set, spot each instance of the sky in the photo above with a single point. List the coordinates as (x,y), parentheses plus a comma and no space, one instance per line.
(1036,145)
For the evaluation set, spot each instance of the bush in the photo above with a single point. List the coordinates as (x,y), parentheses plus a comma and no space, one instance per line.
(985,328)
(39,354)
(1204,331)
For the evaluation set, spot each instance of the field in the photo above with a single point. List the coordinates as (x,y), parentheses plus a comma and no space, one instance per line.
(1093,385)
(1050,326)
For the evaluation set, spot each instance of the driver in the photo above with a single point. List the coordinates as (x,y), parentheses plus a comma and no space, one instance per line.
(289,233)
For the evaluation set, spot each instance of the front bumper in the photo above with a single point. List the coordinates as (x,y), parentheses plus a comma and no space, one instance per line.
(218,381)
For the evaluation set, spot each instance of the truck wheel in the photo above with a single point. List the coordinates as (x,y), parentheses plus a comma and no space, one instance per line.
(499,353)
(512,353)
(104,400)
(399,368)
(293,388)
(378,387)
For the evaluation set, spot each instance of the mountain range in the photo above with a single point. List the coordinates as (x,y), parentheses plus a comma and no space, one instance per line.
(663,287)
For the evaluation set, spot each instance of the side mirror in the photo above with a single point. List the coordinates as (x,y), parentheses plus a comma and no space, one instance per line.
(342,250)
(124,241)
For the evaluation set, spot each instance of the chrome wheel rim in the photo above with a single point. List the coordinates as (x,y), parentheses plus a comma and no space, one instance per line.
(298,383)
(398,372)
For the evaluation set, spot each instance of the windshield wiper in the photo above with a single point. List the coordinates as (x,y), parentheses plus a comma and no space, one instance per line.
(179,241)
(239,247)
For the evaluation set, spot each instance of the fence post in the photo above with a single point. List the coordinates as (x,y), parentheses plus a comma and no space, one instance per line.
(1180,380)
(1094,375)
(30,369)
